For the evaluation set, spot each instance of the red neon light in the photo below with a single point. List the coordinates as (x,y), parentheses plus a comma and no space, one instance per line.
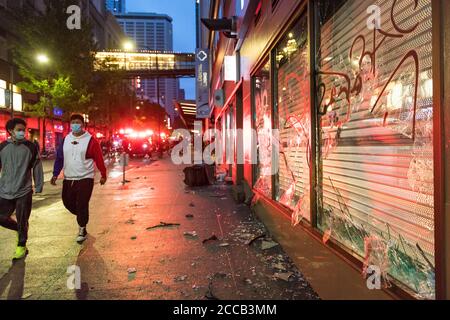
(258,8)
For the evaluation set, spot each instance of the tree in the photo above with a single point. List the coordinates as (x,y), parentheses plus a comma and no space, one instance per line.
(65,80)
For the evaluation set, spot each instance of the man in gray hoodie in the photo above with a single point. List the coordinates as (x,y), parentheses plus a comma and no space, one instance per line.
(19,161)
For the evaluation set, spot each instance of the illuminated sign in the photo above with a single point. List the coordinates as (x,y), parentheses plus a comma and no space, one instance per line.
(58,112)
(2,98)
(230,70)
(17,103)
(202,78)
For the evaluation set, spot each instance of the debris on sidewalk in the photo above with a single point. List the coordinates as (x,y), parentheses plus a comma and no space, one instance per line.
(26,296)
(220,275)
(209,295)
(131,270)
(129,221)
(250,242)
(224,244)
(191,204)
(180,278)
(190,234)
(137,206)
(157,282)
(164,225)
(285,276)
(190,216)
(279,266)
(212,238)
(133,237)
(131,274)
(266,245)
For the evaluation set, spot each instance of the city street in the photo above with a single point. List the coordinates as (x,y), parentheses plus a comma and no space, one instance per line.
(273,150)
(123,259)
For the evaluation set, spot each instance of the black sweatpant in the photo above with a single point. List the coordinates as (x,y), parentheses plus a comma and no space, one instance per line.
(76,195)
(22,207)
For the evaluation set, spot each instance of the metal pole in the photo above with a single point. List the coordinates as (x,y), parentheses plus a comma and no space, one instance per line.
(11,86)
(124,159)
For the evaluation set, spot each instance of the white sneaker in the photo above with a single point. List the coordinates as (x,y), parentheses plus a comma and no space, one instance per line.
(82,235)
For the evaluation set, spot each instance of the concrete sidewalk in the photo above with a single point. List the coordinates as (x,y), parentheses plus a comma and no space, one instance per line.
(124,258)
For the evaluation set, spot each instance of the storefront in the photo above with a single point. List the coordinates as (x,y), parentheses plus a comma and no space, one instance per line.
(343,103)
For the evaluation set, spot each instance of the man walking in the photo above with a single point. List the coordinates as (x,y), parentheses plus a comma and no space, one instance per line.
(19,161)
(77,155)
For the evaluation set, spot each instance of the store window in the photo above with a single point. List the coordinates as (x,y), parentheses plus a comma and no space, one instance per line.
(375,93)
(2,94)
(263,126)
(292,77)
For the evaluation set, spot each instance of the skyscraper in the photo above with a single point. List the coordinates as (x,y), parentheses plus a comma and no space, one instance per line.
(116,6)
(152,31)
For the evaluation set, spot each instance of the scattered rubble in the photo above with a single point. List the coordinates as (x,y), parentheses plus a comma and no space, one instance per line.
(209,295)
(224,244)
(212,238)
(180,278)
(190,216)
(255,238)
(285,276)
(191,234)
(137,206)
(266,245)
(163,225)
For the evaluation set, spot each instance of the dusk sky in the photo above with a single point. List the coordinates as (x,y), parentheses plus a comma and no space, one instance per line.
(183,15)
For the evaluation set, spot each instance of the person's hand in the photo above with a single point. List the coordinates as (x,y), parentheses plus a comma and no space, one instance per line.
(103,180)
(53,180)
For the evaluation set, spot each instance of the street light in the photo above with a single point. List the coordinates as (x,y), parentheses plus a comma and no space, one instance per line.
(127,46)
(43,59)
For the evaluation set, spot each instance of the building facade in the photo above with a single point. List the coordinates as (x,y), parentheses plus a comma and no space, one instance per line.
(342,114)
(116,6)
(151,31)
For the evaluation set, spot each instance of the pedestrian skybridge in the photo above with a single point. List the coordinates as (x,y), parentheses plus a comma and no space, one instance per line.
(147,64)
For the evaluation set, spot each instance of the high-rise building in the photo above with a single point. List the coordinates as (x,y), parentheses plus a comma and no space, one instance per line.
(152,31)
(116,6)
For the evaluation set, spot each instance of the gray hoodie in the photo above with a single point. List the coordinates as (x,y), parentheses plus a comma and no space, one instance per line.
(17,161)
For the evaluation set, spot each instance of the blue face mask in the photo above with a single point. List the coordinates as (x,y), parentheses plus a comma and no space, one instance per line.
(20,135)
(76,127)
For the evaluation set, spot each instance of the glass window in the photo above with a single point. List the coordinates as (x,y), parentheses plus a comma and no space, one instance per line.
(294,121)
(263,127)
(376,172)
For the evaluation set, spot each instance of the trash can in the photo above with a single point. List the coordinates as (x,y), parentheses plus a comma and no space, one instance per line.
(196,176)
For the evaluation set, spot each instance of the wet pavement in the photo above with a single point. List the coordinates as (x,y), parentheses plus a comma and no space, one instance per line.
(153,238)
